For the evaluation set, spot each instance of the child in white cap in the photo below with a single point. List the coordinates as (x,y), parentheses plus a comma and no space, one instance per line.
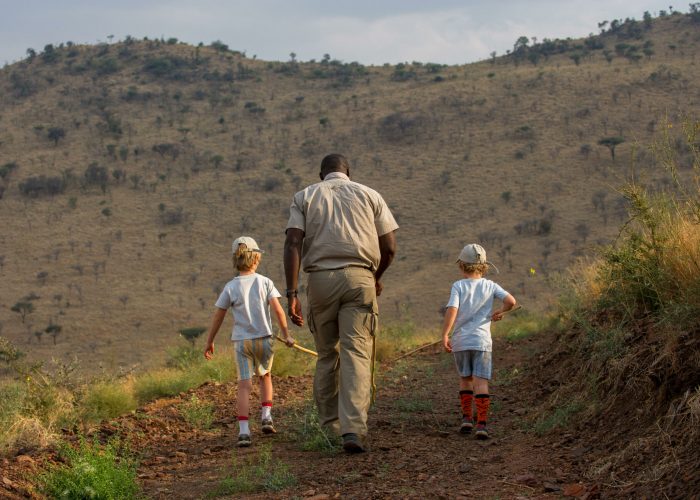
(250,296)
(469,312)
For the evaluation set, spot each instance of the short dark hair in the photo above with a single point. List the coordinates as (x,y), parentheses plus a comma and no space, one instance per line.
(334,163)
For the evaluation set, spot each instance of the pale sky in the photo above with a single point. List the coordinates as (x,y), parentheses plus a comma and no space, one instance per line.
(366,31)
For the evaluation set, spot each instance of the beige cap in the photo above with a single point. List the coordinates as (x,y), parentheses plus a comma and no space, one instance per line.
(474,254)
(248,242)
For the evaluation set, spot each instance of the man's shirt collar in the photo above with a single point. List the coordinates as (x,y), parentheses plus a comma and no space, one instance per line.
(336,175)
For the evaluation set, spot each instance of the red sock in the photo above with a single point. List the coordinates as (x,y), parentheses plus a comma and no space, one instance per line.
(482,408)
(466,398)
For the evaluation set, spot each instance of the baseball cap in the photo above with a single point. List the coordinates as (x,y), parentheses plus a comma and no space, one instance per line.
(474,254)
(248,242)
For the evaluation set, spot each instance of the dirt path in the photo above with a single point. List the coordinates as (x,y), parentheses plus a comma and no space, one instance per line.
(415,450)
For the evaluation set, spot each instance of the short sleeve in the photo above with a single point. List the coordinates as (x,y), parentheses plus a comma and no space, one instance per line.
(499,292)
(454,297)
(383,218)
(297,220)
(224,300)
(272,292)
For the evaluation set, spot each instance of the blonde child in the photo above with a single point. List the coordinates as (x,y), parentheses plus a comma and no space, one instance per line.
(250,296)
(469,311)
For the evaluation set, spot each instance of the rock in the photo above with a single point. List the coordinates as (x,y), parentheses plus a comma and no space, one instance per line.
(180,454)
(422,476)
(550,487)
(206,451)
(218,447)
(574,490)
(580,451)
(320,496)
(526,479)
(309,493)
(464,468)
(24,459)
(8,482)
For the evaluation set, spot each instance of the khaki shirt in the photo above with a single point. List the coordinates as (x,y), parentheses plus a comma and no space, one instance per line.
(342,221)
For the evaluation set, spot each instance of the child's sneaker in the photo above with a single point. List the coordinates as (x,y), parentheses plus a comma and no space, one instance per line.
(267,426)
(243,441)
(467,425)
(481,432)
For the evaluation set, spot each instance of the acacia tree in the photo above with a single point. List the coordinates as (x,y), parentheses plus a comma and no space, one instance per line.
(191,334)
(23,308)
(53,330)
(611,143)
(55,134)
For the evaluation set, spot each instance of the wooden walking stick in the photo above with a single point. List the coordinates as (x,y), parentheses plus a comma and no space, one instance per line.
(297,346)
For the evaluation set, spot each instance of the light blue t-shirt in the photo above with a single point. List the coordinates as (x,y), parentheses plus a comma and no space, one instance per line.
(473,299)
(249,297)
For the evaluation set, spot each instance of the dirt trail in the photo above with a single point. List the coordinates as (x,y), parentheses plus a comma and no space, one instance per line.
(415,450)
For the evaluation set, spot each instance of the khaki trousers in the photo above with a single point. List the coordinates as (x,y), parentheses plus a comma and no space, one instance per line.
(343,318)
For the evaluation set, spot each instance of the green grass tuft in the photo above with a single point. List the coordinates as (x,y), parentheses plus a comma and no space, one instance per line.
(198,414)
(256,473)
(92,471)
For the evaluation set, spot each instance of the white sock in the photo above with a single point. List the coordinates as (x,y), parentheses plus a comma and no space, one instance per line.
(243,427)
(266,413)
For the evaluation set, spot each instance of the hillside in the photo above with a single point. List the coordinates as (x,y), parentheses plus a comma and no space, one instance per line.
(156,154)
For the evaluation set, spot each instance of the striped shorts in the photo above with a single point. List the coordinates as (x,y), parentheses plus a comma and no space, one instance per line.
(253,357)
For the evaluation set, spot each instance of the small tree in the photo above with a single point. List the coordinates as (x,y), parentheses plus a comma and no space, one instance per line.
(23,308)
(191,334)
(55,134)
(611,143)
(53,330)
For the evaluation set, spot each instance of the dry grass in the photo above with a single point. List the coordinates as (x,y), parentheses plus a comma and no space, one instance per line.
(122,285)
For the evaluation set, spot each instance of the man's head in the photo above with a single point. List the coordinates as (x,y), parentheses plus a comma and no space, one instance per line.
(334,163)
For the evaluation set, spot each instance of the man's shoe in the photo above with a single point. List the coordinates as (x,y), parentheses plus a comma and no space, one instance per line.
(481,432)
(243,441)
(267,426)
(467,425)
(352,443)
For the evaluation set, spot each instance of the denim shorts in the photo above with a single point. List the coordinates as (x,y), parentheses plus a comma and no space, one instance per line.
(476,363)
(253,357)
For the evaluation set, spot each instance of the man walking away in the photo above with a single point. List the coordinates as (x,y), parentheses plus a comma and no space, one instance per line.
(341,233)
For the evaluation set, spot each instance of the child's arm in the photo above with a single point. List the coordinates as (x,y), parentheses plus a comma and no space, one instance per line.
(216,321)
(447,324)
(282,320)
(508,304)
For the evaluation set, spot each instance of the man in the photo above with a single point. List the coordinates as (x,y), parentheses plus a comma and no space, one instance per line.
(342,234)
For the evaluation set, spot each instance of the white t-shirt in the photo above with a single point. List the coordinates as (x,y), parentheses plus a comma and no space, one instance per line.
(473,299)
(249,297)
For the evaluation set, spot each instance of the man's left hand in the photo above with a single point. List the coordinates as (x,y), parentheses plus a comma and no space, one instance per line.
(294,311)
(378,286)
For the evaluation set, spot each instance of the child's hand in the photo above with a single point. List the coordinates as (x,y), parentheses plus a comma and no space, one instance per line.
(289,341)
(447,344)
(209,351)
(497,315)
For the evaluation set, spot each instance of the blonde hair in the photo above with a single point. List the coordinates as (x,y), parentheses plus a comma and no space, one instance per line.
(244,259)
(472,268)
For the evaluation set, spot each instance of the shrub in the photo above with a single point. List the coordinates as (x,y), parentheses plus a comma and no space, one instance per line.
(198,414)
(92,471)
(256,474)
(107,400)
(34,187)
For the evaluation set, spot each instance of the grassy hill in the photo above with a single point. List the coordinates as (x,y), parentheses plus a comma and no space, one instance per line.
(128,168)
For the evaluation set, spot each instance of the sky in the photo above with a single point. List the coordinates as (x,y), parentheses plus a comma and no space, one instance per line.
(366,31)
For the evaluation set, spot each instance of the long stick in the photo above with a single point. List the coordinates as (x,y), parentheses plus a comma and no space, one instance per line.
(297,346)
(439,341)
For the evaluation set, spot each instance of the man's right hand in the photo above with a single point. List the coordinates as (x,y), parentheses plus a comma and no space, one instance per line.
(294,311)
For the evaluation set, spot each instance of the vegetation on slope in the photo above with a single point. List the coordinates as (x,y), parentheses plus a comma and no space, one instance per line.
(628,353)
